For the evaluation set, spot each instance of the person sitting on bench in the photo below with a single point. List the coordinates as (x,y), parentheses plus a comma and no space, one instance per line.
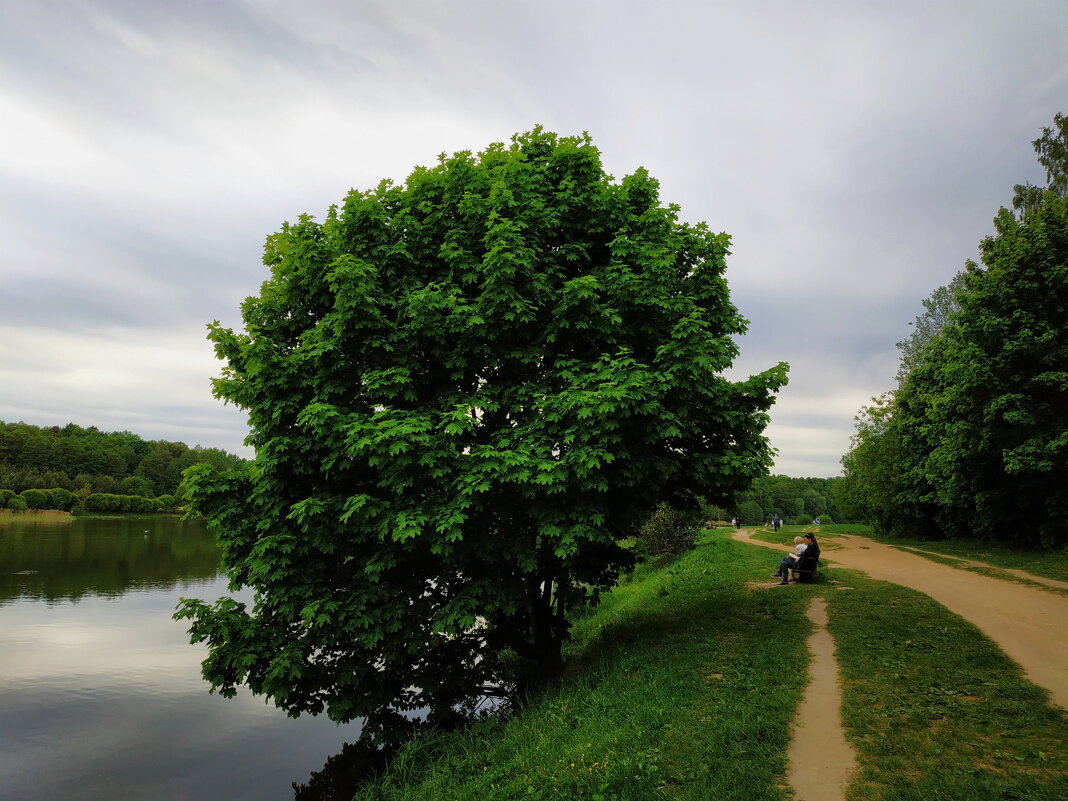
(799,548)
(806,554)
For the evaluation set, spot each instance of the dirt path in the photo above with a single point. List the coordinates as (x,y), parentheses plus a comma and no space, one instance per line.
(1061,585)
(1028,623)
(821,760)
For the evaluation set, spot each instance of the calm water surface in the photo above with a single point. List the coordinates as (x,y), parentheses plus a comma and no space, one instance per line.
(101,697)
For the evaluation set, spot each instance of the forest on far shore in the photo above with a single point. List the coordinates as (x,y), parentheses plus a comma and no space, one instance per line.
(120,463)
(94,461)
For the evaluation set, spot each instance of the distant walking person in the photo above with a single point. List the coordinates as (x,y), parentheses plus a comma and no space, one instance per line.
(776,522)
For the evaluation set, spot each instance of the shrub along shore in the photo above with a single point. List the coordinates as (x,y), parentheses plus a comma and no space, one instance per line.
(683,683)
(61,500)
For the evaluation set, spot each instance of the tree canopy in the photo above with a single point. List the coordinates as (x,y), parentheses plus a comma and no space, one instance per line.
(975,440)
(72,457)
(790,498)
(465,392)
(1052,151)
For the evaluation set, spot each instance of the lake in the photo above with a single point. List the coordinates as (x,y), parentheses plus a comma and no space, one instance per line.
(101,697)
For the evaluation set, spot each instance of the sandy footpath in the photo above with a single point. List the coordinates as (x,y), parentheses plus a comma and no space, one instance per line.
(1029,623)
(821,761)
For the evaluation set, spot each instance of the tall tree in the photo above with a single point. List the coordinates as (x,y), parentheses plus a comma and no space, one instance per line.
(990,407)
(464,393)
(938,309)
(1052,150)
(973,441)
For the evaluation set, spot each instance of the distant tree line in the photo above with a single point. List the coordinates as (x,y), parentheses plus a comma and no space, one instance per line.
(795,500)
(973,442)
(63,500)
(87,462)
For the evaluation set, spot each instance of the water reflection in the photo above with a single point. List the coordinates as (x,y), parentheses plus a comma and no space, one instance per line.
(100,691)
(65,560)
(342,774)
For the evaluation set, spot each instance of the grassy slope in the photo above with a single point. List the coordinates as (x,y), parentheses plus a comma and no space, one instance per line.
(684,683)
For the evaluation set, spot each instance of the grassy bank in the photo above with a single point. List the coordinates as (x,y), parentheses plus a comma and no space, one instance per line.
(681,687)
(49,515)
(683,682)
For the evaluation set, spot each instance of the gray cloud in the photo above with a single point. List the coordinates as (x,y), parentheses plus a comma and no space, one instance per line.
(855,152)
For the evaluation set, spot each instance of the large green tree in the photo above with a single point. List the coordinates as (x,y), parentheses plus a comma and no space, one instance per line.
(985,416)
(974,442)
(464,392)
(1052,151)
(938,309)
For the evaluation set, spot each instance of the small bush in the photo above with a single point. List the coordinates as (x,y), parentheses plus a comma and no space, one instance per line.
(59,498)
(751,514)
(167,502)
(17,504)
(5,497)
(98,502)
(668,531)
(35,498)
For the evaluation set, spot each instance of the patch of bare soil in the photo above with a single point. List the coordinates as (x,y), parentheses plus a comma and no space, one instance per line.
(1027,622)
(821,761)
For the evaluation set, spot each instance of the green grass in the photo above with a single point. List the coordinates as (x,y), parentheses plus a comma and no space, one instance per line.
(827,531)
(32,515)
(935,710)
(680,688)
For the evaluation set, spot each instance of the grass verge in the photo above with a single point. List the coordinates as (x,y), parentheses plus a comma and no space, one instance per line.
(934,709)
(34,515)
(681,687)
(684,680)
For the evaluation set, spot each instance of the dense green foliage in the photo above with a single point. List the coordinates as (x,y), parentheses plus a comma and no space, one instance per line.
(35,498)
(873,467)
(683,685)
(55,498)
(937,311)
(1052,150)
(87,459)
(793,499)
(465,393)
(669,531)
(62,500)
(687,676)
(974,442)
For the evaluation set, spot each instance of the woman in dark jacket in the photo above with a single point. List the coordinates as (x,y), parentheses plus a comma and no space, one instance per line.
(792,561)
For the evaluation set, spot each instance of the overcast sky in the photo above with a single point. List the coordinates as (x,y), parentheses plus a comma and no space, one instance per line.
(855,151)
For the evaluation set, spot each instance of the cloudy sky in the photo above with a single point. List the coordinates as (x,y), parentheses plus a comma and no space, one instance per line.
(855,151)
